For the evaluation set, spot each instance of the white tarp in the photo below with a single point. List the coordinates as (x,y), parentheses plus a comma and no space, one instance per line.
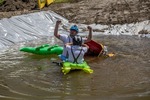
(35,25)
(126,29)
(27,27)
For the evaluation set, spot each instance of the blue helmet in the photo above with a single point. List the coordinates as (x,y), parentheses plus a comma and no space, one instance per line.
(75,28)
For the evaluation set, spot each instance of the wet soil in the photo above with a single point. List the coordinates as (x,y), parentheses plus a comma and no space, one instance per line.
(85,11)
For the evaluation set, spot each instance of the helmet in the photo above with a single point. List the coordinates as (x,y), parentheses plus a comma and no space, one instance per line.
(75,28)
(77,40)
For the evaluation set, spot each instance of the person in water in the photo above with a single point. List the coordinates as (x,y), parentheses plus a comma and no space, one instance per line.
(76,50)
(68,38)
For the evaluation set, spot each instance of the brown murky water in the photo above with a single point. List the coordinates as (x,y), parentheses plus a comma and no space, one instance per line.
(126,76)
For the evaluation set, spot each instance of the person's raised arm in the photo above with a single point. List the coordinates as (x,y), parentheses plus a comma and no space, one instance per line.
(89,37)
(56,34)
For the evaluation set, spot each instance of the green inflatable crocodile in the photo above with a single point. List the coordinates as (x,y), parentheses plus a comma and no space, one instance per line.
(45,49)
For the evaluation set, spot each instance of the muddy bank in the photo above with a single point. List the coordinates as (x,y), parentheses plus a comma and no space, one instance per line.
(86,11)
(105,11)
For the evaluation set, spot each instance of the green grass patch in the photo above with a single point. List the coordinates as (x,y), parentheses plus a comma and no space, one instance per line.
(62,1)
(1,2)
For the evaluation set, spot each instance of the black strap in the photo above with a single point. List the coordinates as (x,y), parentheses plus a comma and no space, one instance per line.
(76,58)
(81,41)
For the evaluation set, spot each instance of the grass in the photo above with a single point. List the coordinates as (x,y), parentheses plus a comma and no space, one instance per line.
(1,2)
(62,1)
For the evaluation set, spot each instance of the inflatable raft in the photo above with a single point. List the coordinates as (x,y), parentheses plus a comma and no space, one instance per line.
(68,66)
(95,49)
(45,49)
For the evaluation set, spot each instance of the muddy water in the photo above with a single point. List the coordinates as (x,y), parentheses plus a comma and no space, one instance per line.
(126,76)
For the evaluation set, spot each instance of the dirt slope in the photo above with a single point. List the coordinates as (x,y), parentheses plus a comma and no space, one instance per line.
(86,11)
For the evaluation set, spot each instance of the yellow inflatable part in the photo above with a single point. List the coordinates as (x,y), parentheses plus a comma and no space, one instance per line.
(111,54)
(68,66)
(49,2)
(41,3)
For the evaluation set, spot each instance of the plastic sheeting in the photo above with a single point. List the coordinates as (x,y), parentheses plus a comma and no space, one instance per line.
(36,25)
(28,27)
(126,29)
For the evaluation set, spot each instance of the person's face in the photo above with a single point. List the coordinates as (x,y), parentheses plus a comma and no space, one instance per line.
(73,33)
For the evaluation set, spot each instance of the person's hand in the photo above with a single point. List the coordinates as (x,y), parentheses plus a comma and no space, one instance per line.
(58,22)
(89,28)
(68,44)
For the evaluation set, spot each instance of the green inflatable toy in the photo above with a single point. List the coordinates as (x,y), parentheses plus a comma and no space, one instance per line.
(45,49)
(68,66)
